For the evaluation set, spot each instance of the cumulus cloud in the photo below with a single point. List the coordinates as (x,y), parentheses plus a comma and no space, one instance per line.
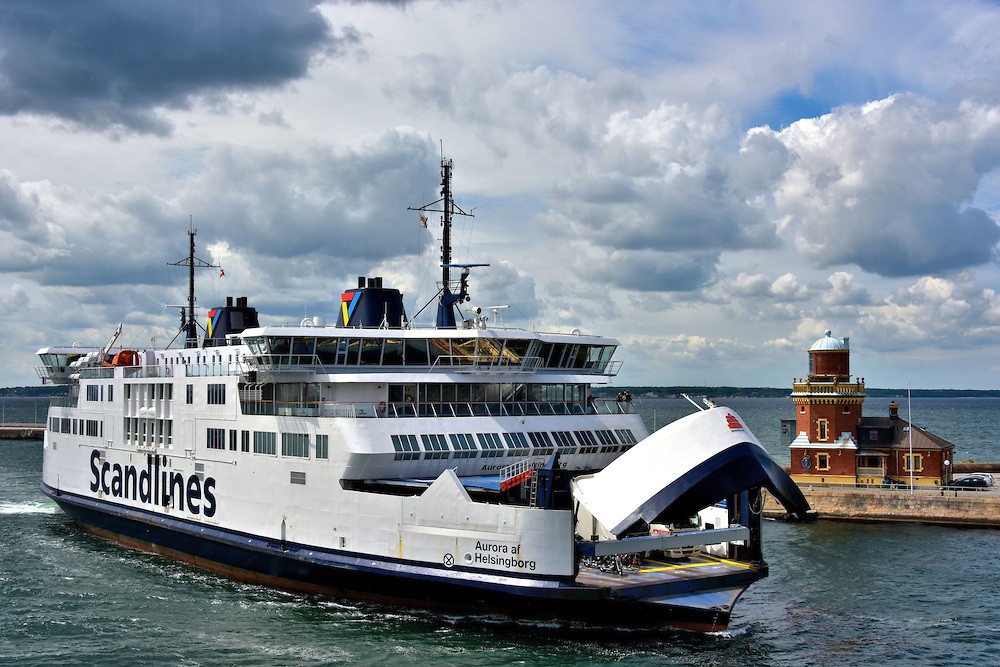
(886,186)
(115,63)
(660,199)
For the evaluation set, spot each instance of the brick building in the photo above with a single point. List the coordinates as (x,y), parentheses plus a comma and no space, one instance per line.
(835,444)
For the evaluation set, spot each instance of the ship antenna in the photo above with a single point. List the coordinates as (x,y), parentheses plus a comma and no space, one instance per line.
(191,324)
(448,300)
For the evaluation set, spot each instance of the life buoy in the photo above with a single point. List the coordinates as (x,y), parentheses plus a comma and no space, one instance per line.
(381,406)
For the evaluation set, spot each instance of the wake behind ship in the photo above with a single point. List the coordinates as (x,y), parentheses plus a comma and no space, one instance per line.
(465,467)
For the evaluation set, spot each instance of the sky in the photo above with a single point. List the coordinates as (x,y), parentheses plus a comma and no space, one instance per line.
(712,184)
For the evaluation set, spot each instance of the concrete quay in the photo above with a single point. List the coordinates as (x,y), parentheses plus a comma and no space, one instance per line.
(962,508)
(22,431)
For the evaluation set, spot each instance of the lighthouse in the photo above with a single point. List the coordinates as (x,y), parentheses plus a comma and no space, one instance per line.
(827,413)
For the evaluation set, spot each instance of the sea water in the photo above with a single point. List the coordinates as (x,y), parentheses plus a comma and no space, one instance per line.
(839,593)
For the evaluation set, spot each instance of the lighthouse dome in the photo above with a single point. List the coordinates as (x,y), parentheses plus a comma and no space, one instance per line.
(828,342)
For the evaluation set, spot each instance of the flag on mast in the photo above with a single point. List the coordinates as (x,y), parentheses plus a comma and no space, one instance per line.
(423,221)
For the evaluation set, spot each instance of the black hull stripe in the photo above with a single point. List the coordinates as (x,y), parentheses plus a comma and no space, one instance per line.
(378,580)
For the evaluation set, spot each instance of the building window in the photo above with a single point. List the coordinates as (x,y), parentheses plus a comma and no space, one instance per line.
(821,430)
(802,409)
(322,446)
(823,461)
(216,394)
(873,435)
(913,462)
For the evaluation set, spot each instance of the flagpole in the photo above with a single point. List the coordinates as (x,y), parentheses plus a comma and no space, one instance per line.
(909,418)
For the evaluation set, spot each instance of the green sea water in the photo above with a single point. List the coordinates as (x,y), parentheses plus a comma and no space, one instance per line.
(839,593)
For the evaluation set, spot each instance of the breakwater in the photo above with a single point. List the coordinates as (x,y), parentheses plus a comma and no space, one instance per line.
(21,431)
(951,507)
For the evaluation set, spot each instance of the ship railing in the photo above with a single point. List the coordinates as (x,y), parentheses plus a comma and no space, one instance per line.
(64,401)
(253,405)
(97,373)
(451,363)
(222,369)
(678,540)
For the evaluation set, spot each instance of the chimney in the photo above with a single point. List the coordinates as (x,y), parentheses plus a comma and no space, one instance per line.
(893,410)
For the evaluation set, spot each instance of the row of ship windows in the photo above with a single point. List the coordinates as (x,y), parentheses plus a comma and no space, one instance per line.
(89,427)
(159,391)
(266,442)
(491,445)
(434,445)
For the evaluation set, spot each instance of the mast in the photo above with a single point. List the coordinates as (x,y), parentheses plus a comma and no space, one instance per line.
(448,300)
(189,323)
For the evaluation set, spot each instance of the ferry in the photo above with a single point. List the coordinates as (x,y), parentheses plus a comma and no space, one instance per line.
(466,467)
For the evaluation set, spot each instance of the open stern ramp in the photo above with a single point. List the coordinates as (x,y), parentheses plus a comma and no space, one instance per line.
(682,468)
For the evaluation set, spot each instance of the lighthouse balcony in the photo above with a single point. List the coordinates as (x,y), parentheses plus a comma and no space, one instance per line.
(810,388)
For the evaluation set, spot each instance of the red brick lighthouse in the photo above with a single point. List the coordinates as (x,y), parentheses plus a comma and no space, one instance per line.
(827,412)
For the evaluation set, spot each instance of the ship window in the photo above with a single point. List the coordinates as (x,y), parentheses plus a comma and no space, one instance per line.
(822,461)
(435,446)
(464,446)
(279,347)
(416,352)
(111,393)
(353,347)
(322,446)
(626,435)
(91,392)
(216,438)
(489,350)
(541,443)
(392,352)
(464,350)
(491,444)
(517,443)
(565,442)
(245,441)
(189,399)
(232,440)
(303,350)
(406,447)
(371,351)
(439,350)
(295,444)
(264,442)
(515,351)
(216,394)
(588,442)
(326,351)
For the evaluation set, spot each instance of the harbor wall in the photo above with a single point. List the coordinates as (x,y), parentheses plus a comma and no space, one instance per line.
(21,431)
(970,508)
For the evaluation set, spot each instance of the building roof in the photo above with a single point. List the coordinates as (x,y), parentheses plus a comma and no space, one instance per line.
(828,342)
(922,439)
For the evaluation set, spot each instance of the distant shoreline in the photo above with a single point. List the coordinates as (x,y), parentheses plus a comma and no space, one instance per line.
(785,392)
